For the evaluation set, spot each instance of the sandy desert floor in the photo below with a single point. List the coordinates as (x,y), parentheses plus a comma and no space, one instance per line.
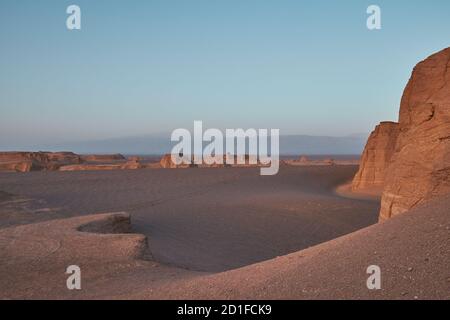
(207,231)
(204,219)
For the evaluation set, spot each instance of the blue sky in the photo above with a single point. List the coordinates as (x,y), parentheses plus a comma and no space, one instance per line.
(138,67)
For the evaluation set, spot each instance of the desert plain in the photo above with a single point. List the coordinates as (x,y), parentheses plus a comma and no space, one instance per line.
(154,231)
(198,220)
(207,233)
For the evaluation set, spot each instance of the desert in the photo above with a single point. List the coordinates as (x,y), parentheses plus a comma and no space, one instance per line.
(230,233)
(225,153)
(165,245)
(191,222)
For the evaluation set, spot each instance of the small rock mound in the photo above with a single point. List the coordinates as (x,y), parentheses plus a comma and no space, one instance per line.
(167,163)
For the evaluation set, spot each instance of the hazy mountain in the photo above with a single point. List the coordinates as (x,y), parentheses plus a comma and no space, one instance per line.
(160,144)
(303,144)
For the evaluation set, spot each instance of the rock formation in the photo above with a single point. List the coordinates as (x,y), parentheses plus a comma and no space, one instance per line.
(411,159)
(57,159)
(132,163)
(102,157)
(167,163)
(248,161)
(303,159)
(375,159)
(31,161)
(90,167)
(65,161)
(24,166)
(420,166)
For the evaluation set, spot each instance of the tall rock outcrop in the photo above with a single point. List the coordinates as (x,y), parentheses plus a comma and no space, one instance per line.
(420,167)
(375,159)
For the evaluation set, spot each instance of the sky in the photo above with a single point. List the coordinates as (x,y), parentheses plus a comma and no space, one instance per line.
(142,67)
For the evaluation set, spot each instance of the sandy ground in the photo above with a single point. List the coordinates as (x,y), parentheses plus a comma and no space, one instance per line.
(412,250)
(202,219)
(345,190)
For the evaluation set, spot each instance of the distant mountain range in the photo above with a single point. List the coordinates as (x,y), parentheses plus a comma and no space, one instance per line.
(160,144)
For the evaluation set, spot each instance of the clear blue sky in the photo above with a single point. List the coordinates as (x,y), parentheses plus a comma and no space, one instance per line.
(136,67)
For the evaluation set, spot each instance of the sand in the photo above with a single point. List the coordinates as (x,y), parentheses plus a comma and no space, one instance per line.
(412,250)
(228,226)
(345,190)
(204,219)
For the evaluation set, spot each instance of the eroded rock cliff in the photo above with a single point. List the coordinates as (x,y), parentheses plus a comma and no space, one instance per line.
(30,161)
(420,166)
(375,159)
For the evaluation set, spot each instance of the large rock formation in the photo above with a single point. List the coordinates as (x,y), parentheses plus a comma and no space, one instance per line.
(21,166)
(375,159)
(30,161)
(132,163)
(67,161)
(54,160)
(420,166)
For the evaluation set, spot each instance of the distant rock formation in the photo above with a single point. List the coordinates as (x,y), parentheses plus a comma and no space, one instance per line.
(208,162)
(102,157)
(420,166)
(24,166)
(58,159)
(167,163)
(376,158)
(132,163)
(90,167)
(304,161)
(31,161)
(66,161)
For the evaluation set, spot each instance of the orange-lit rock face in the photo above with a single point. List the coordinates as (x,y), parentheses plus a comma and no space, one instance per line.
(375,159)
(132,164)
(166,162)
(29,161)
(420,166)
